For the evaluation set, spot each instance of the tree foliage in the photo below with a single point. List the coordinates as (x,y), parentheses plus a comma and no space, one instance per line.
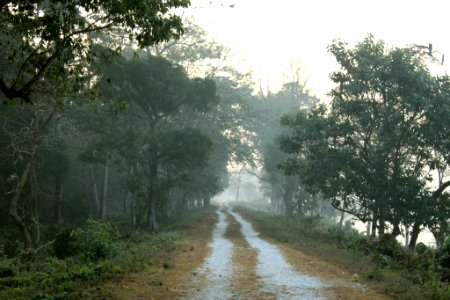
(373,152)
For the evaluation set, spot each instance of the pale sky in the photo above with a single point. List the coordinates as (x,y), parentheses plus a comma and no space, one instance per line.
(266,36)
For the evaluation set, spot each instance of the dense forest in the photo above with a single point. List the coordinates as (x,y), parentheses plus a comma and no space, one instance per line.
(122,116)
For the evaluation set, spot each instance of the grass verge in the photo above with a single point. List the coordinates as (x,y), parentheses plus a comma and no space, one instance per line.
(385,266)
(42,275)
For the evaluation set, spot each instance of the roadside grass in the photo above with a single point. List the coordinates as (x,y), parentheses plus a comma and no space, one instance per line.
(383,264)
(95,254)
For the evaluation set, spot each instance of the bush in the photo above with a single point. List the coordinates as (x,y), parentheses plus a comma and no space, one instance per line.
(64,245)
(96,241)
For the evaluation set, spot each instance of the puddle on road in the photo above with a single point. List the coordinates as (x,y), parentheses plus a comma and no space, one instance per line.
(217,269)
(278,275)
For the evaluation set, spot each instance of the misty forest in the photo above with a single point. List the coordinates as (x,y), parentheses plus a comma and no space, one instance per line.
(138,162)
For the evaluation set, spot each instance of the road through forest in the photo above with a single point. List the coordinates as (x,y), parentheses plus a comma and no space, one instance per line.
(241,265)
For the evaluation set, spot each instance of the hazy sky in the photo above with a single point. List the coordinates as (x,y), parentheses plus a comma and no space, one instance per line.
(267,36)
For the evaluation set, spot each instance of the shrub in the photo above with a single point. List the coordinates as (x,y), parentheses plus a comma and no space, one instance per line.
(97,241)
(64,245)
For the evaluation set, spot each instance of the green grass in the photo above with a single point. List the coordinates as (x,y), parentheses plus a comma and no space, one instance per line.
(384,264)
(42,275)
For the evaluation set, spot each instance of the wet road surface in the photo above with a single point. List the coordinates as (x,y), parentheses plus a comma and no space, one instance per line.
(278,278)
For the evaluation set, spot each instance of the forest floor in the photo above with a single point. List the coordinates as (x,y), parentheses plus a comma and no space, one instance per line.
(222,257)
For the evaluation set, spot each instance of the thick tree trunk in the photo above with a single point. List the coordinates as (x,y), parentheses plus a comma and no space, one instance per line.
(105,191)
(414,234)
(369,226)
(94,188)
(396,229)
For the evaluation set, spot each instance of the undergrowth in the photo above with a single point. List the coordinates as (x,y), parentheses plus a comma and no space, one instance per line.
(402,273)
(73,265)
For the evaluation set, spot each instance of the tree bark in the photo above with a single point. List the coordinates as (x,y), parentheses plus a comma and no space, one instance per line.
(341,220)
(59,200)
(60,205)
(414,234)
(152,193)
(105,191)
(406,235)
(95,197)
(396,229)
(369,226)
(12,209)
(374,226)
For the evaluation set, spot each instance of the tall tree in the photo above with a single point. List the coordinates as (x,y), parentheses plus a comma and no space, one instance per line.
(370,152)
(161,90)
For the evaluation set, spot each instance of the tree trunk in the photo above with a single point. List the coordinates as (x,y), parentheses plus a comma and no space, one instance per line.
(60,206)
(288,207)
(59,217)
(396,229)
(12,209)
(238,186)
(414,234)
(126,203)
(95,197)
(369,226)
(152,193)
(381,227)
(133,214)
(374,226)
(105,191)
(207,201)
(406,235)
(341,220)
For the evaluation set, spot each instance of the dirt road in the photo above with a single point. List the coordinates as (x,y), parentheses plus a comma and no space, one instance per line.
(237,263)
(244,266)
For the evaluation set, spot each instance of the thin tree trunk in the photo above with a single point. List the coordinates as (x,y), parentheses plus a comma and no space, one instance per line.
(95,192)
(59,217)
(238,186)
(105,191)
(341,220)
(406,235)
(207,201)
(152,193)
(37,222)
(369,226)
(60,206)
(126,203)
(12,209)
(374,226)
